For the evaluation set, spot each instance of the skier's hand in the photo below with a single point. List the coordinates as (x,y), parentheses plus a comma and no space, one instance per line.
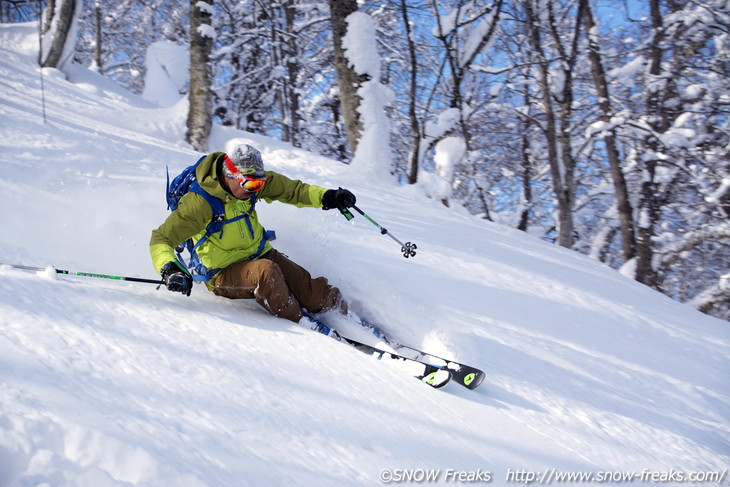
(338,198)
(176,279)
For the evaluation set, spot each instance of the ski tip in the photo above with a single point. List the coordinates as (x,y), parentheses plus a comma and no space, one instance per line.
(473,379)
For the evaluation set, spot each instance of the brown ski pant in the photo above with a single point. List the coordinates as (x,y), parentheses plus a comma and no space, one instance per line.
(279,285)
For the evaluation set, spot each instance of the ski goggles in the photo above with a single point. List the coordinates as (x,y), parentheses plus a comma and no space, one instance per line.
(249,183)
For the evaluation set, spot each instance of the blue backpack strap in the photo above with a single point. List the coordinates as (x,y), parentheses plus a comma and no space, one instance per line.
(215,203)
(216,206)
(198,270)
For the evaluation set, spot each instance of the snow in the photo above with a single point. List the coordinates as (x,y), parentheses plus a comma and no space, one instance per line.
(108,383)
(446,121)
(475,38)
(446,24)
(627,72)
(205,7)
(360,46)
(167,72)
(449,152)
(373,156)
(207,30)
(720,192)
(557,81)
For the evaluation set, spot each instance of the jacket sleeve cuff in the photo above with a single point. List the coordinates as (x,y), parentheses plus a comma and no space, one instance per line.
(315,195)
(161,254)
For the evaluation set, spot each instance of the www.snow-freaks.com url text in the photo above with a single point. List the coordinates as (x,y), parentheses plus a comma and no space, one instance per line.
(554,476)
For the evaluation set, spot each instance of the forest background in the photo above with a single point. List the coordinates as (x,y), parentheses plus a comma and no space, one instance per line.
(599,125)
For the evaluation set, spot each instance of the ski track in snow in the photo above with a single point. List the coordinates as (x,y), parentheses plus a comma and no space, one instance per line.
(109,383)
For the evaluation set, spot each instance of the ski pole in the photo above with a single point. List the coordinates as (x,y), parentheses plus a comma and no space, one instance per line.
(408,248)
(85,274)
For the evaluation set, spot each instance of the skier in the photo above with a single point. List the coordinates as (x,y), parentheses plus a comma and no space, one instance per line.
(240,262)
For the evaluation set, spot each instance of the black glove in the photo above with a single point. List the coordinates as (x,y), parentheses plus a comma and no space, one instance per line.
(338,198)
(176,279)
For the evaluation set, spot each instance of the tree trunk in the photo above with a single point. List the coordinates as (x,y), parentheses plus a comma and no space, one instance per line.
(526,172)
(568,59)
(60,17)
(561,186)
(293,68)
(623,203)
(649,205)
(200,97)
(347,79)
(97,34)
(49,14)
(415,155)
(278,21)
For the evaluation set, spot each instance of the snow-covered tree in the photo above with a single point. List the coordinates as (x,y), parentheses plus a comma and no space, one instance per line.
(373,153)
(348,80)
(680,143)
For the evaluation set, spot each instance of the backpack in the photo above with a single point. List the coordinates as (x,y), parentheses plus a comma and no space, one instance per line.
(187,181)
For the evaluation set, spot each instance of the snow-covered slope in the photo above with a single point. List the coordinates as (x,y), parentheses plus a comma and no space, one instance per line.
(107,383)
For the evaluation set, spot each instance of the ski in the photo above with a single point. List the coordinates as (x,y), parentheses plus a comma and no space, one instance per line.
(465,375)
(433,375)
